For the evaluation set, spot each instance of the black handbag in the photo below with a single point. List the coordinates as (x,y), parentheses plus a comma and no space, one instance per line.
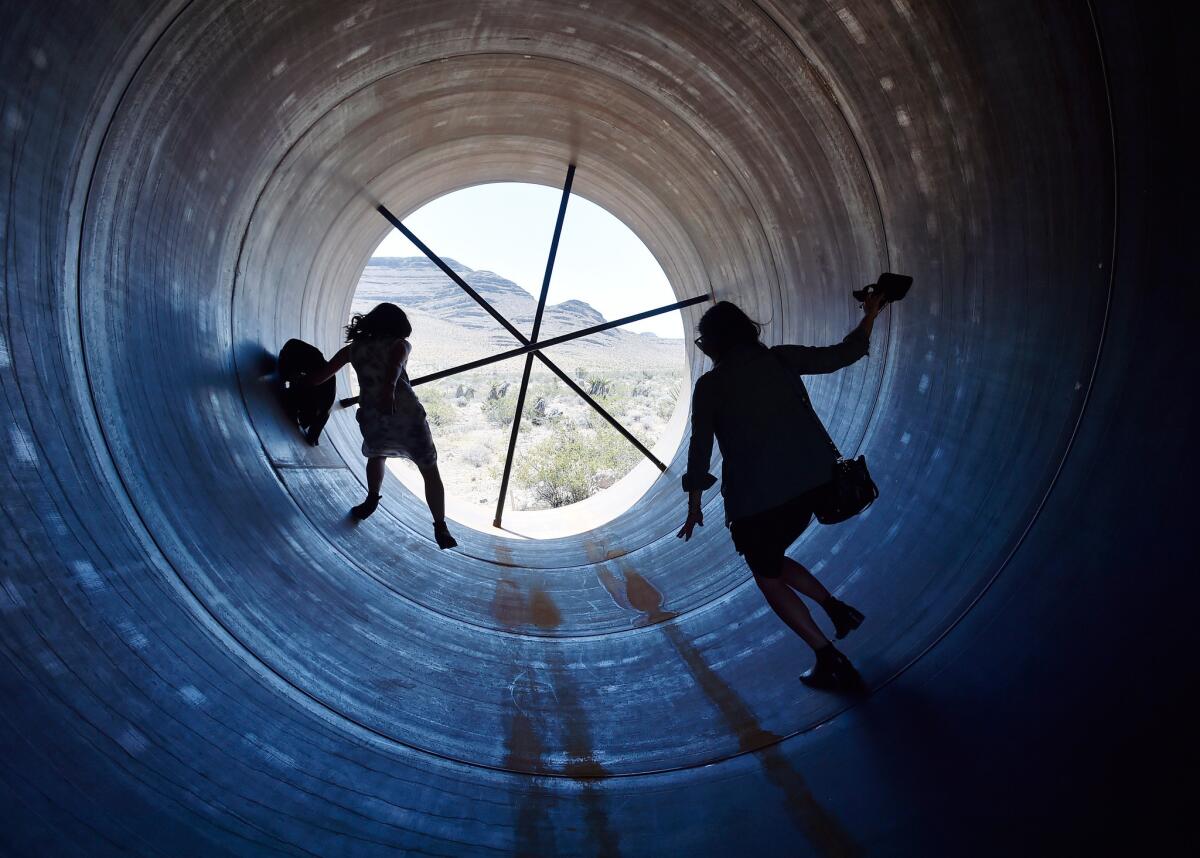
(848,492)
(850,489)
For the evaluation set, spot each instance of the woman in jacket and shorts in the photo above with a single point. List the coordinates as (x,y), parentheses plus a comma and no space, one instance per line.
(777,460)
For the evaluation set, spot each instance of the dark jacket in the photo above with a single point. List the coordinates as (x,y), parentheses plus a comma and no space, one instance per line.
(772,441)
(308,406)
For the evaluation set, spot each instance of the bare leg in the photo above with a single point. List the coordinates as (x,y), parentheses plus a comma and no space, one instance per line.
(366,509)
(800,579)
(375,466)
(435,492)
(792,610)
(435,496)
(845,617)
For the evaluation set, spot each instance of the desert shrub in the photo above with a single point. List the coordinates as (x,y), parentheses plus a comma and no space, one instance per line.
(616,400)
(549,389)
(597,385)
(439,412)
(499,390)
(500,410)
(572,465)
(666,404)
(477,455)
(538,411)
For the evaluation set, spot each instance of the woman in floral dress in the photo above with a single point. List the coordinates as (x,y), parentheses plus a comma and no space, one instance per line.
(390,416)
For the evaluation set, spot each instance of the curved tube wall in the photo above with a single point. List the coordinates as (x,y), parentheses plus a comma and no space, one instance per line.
(211,660)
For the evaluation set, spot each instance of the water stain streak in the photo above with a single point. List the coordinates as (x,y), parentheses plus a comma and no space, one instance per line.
(538,706)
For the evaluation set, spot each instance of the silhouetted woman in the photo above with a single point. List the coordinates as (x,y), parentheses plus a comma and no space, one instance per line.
(390,416)
(777,459)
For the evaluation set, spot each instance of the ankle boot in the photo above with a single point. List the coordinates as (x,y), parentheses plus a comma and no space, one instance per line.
(845,618)
(442,534)
(832,672)
(364,510)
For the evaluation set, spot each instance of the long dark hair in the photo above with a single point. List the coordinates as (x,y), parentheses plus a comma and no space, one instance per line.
(384,320)
(724,326)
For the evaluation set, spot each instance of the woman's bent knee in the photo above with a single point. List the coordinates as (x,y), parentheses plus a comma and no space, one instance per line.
(769,584)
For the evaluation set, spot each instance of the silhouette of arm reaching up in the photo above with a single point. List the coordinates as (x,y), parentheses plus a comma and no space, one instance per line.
(815,360)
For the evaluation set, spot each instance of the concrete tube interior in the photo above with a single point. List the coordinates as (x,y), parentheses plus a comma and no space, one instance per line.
(211,660)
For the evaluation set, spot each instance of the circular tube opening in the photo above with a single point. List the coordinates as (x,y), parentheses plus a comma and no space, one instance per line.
(570,470)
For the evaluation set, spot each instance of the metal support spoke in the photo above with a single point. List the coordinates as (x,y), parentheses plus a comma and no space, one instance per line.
(528,347)
(554,341)
(537,326)
(545,344)
(616,424)
(580,392)
(452,274)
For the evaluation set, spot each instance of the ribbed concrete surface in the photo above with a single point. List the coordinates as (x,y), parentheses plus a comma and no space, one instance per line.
(201,656)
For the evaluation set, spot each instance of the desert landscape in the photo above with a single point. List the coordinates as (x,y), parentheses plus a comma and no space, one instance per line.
(566,452)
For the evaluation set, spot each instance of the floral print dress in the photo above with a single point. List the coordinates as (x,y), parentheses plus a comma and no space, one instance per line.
(403,433)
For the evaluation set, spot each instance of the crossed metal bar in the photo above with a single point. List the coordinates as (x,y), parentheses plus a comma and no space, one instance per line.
(537,327)
(531,347)
(553,341)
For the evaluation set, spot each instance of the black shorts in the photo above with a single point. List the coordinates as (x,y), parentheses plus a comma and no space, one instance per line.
(763,538)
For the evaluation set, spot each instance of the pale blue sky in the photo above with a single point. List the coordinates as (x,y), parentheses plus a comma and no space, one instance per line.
(507,227)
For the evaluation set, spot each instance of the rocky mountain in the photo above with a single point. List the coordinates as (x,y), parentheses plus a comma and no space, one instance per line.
(449,327)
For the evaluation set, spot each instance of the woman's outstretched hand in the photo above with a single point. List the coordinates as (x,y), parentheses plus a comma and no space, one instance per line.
(872,304)
(694,517)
